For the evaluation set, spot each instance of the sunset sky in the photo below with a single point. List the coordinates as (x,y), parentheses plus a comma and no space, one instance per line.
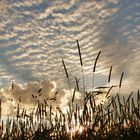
(35,35)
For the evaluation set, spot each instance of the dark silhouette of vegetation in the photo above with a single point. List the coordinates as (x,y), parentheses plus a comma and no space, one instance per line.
(117,119)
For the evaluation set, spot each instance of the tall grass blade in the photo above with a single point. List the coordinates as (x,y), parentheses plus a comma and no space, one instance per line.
(94,68)
(81,66)
(67,75)
(129,97)
(120,84)
(95,63)
(77,83)
(66,72)
(79,53)
(109,91)
(73,95)
(109,77)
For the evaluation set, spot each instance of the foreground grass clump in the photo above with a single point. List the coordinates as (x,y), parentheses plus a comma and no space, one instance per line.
(117,119)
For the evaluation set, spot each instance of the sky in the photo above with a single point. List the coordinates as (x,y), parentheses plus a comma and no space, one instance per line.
(35,35)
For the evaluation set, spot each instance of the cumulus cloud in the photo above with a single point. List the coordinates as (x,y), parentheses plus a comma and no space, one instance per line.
(30,94)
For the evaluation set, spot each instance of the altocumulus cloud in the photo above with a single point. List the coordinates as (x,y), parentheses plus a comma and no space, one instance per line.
(36,35)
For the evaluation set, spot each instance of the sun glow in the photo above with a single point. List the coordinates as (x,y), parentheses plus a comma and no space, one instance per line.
(74,129)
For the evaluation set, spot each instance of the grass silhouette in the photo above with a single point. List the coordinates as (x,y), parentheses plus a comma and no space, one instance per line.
(118,119)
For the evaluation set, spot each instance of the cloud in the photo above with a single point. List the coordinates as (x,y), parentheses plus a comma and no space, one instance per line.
(36,35)
(28,95)
(27,3)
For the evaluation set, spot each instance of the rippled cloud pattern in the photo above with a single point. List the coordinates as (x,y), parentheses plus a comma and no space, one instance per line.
(35,35)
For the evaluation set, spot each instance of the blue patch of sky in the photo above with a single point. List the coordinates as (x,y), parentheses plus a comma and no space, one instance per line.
(120,22)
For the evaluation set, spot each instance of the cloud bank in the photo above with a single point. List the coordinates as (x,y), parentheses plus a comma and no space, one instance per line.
(27,96)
